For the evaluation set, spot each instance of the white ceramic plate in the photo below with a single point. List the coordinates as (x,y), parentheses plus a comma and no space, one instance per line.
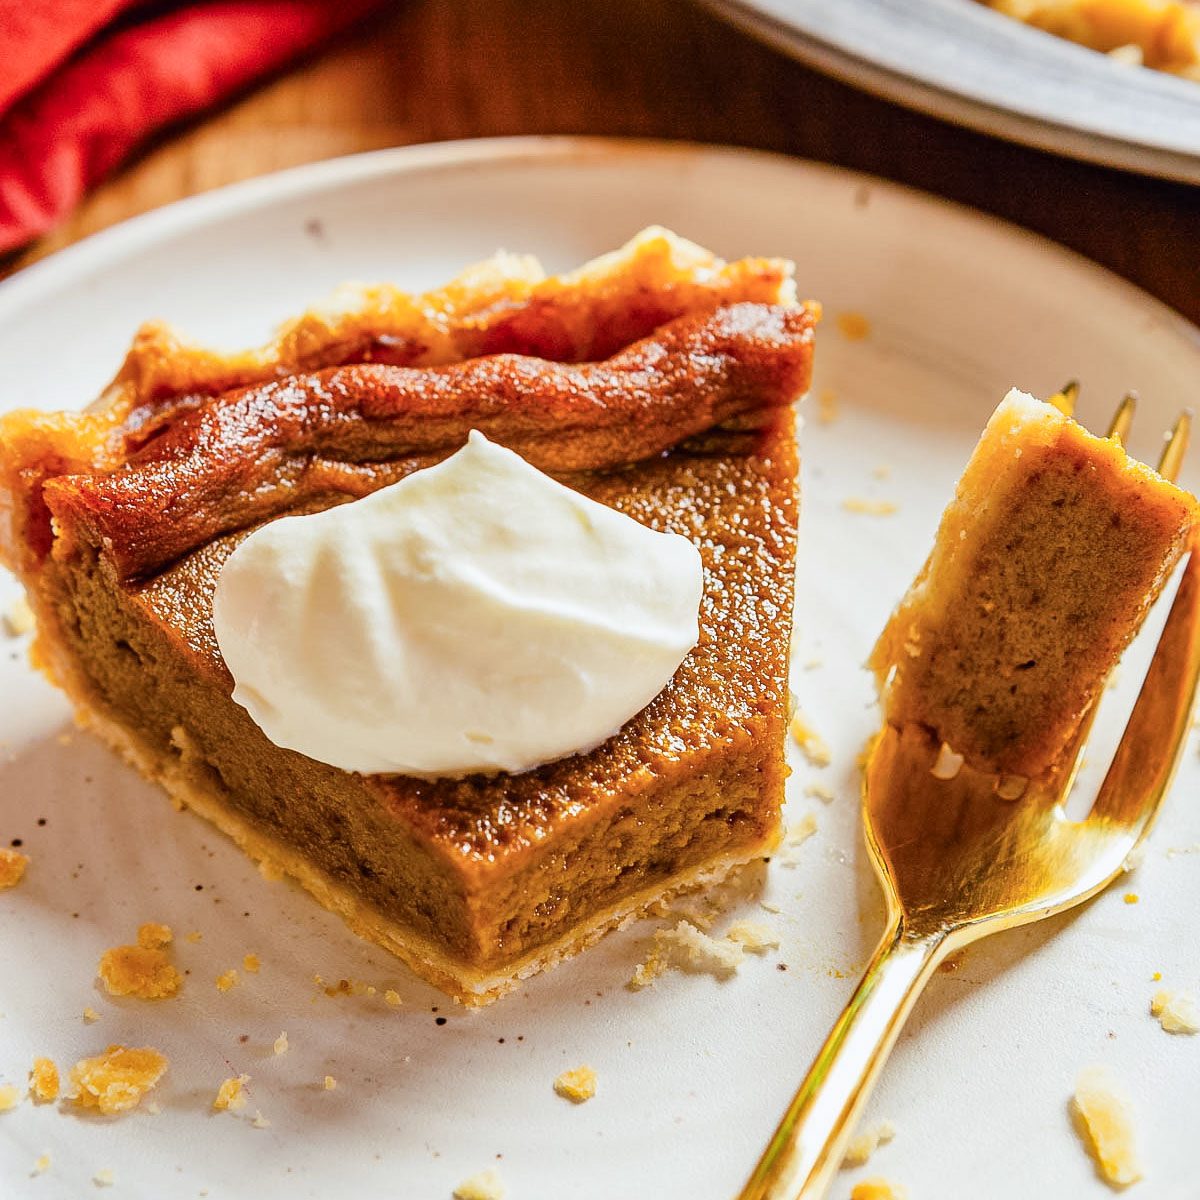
(961,61)
(692,1073)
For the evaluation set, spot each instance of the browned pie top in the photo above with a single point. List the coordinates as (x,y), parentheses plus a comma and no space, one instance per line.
(204,469)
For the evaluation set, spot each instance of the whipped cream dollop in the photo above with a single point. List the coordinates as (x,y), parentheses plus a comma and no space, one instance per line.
(476,616)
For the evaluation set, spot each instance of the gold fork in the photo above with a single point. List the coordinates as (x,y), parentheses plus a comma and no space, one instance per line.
(958,863)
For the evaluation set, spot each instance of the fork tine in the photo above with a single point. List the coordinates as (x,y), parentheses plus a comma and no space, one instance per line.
(1150,749)
(1176,446)
(1123,418)
(1066,396)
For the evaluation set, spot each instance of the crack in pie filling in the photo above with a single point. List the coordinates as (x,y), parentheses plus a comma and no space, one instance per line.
(657,381)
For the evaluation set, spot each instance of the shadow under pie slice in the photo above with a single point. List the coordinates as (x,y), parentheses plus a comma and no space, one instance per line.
(119,519)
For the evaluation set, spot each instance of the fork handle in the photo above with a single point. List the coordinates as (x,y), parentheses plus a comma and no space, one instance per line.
(810,1142)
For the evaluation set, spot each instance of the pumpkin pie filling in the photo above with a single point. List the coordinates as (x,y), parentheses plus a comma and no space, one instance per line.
(119,520)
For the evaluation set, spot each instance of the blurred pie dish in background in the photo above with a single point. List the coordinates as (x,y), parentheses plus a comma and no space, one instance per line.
(1163,34)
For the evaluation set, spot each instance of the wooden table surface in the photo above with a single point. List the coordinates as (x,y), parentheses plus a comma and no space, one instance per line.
(428,70)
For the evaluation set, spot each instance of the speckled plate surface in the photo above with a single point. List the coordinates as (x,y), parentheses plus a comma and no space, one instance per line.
(692,1072)
(961,61)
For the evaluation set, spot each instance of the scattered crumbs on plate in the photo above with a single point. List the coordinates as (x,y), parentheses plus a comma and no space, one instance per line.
(877,1188)
(487,1185)
(154,936)
(90,1015)
(152,1108)
(104,1177)
(864,1144)
(812,745)
(280,1045)
(1156,977)
(143,970)
(1176,851)
(41,1164)
(1177,1012)
(1103,1121)
(883,471)
(10,1096)
(770,906)
(827,406)
(43,1080)
(231,1094)
(12,867)
(691,949)
(194,936)
(18,618)
(753,936)
(576,1085)
(116,1080)
(392,998)
(820,791)
(870,508)
(227,979)
(329,1083)
(1131,897)
(798,832)
(260,1122)
(251,963)
(853,326)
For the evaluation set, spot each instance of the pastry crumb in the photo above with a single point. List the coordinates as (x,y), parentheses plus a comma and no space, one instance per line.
(867,507)
(18,618)
(194,936)
(12,867)
(392,998)
(877,1189)
(695,950)
(231,1095)
(153,936)
(227,979)
(116,1080)
(143,970)
(753,936)
(251,963)
(853,326)
(41,1164)
(820,791)
(329,1083)
(1103,1121)
(487,1185)
(281,1044)
(104,1177)
(576,1085)
(1177,1012)
(1131,897)
(798,832)
(90,1015)
(43,1080)
(812,744)
(864,1144)
(260,1122)
(10,1096)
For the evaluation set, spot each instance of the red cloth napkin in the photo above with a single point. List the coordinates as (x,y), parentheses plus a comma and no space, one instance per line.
(76,97)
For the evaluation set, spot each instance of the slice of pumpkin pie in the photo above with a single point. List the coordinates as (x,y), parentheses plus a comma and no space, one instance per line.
(441,707)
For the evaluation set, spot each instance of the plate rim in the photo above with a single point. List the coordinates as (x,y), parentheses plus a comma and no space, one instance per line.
(1168,158)
(262,191)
